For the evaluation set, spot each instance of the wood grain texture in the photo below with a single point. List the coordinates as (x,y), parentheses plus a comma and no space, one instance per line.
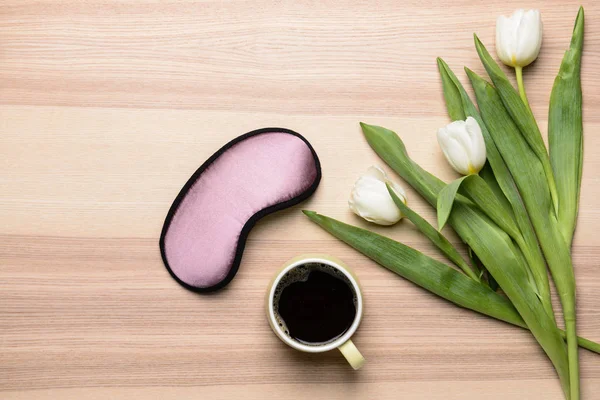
(107,107)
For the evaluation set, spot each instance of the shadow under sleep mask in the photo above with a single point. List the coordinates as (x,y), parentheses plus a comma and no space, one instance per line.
(255,174)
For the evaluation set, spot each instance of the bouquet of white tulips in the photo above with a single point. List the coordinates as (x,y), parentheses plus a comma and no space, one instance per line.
(515,207)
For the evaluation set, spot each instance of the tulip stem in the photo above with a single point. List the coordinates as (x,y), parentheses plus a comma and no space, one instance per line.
(519,71)
(573,353)
(573,349)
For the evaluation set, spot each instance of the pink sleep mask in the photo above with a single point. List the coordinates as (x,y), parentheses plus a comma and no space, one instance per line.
(205,231)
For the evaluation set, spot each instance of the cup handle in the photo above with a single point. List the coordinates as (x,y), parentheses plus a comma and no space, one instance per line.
(352,354)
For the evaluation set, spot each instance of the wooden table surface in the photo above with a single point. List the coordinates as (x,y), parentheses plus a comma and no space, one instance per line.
(106,109)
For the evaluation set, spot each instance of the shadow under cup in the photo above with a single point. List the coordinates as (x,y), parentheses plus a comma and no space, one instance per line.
(314,304)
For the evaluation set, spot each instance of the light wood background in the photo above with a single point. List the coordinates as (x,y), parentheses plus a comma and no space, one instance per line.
(106,109)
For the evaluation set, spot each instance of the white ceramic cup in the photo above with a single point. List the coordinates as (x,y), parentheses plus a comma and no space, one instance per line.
(343,343)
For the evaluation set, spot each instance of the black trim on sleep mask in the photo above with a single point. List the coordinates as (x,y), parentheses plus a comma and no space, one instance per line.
(251,221)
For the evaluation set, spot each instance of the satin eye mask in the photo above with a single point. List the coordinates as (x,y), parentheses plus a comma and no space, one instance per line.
(258,173)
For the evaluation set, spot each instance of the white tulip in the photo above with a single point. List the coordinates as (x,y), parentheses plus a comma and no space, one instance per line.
(463,145)
(371,200)
(519,37)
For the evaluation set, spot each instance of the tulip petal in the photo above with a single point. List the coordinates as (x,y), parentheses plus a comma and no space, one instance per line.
(529,38)
(504,40)
(376,172)
(453,151)
(371,200)
(478,150)
(398,191)
(519,37)
(377,207)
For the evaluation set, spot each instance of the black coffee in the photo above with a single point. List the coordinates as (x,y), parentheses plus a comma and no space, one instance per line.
(316,304)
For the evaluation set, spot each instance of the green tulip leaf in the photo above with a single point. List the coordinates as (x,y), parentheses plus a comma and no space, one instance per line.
(565,132)
(432,234)
(527,240)
(446,201)
(428,273)
(521,114)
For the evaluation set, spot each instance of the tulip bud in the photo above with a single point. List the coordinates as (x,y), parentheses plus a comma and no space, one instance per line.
(519,37)
(371,200)
(463,145)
